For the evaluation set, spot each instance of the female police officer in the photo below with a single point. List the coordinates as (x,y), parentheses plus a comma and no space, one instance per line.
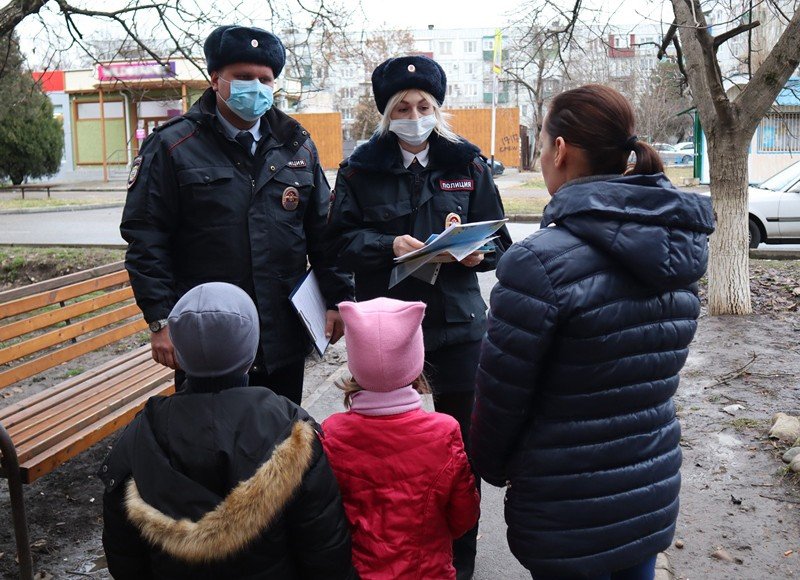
(412,179)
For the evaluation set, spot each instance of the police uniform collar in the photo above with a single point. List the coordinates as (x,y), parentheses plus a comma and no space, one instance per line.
(232,131)
(421,157)
(381,153)
(283,128)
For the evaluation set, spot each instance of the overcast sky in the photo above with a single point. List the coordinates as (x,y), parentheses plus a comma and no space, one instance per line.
(38,32)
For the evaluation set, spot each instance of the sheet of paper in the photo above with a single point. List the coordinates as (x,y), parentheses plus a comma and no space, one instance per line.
(456,235)
(309,302)
(458,240)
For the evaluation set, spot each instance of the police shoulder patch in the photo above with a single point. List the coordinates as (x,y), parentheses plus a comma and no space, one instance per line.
(135,166)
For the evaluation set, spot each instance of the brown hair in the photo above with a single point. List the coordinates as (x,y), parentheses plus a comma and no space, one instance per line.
(351,387)
(600,121)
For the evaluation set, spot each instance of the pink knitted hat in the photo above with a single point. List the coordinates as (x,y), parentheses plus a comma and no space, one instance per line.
(384,342)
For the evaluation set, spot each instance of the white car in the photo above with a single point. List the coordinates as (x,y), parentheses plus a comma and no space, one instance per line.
(774,208)
(672,155)
(686,149)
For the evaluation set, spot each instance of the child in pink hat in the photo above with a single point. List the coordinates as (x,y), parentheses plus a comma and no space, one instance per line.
(406,484)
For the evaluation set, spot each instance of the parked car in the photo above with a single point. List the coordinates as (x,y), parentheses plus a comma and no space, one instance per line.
(669,155)
(687,149)
(774,208)
(498,168)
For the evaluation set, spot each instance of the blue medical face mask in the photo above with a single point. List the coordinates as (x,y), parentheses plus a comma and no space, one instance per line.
(249,100)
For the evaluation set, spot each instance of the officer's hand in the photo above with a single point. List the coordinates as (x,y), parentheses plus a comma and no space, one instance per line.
(334,326)
(162,349)
(405,244)
(473,259)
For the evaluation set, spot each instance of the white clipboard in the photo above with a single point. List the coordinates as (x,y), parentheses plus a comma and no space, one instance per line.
(309,303)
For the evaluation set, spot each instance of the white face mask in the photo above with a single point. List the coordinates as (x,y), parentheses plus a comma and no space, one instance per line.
(413,131)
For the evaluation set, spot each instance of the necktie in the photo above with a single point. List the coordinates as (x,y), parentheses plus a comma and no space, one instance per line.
(415,167)
(246,140)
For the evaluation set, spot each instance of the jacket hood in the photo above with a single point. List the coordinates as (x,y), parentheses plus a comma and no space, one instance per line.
(655,231)
(382,153)
(240,517)
(203,502)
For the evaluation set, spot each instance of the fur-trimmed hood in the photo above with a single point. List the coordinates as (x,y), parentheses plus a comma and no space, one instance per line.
(382,153)
(206,474)
(240,518)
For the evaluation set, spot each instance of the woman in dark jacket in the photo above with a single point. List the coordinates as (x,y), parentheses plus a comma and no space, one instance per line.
(589,326)
(221,480)
(411,180)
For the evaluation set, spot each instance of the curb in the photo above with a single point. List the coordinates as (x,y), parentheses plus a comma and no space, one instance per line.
(119,246)
(774,255)
(526,218)
(61,208)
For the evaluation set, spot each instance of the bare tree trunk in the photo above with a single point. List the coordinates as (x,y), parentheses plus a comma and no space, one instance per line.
(728,267)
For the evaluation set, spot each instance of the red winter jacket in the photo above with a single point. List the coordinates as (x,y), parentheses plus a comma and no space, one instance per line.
(407,490)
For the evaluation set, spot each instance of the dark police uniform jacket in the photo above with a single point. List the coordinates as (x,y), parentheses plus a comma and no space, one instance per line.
(378,199)
(201,209)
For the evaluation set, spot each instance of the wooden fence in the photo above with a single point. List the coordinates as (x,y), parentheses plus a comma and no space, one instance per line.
(326,131)
(475,125)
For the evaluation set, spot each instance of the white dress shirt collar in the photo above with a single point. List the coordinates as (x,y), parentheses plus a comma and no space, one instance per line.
(422,157)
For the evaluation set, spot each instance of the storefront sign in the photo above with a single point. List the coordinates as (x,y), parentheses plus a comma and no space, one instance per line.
(135,71)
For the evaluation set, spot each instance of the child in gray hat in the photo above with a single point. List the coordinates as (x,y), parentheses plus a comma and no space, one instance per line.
(221,480)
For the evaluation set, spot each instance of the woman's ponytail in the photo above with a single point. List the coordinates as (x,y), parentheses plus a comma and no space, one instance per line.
(648,160)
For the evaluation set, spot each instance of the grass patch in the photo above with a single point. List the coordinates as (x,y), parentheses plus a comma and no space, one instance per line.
(536,183)
(677,173)
(39,203)
(21,265)
(743,424)
(524,205)
(73,372)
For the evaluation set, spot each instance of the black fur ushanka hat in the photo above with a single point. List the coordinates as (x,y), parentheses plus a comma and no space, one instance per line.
(408,72)
(231,44)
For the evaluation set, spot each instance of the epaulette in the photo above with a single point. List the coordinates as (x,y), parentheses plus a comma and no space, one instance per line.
(169,123)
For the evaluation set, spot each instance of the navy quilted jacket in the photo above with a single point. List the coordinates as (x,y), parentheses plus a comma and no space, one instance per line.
(589,326)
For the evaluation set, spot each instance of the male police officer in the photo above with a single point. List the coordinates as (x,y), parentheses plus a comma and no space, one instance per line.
(233,191)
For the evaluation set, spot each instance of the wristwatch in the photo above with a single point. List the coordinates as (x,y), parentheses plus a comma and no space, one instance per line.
(158,325)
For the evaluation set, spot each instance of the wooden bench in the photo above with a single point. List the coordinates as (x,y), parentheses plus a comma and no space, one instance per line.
(49,323)
(23,187)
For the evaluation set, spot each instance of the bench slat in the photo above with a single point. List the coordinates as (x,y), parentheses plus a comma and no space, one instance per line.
(68,353)
(69,448)
(65,333)
(67,279)
(51,317)
(105,404)
(68,387)
(50,297)
(74,400)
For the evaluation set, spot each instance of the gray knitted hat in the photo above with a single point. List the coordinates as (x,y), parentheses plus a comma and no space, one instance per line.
(215,330)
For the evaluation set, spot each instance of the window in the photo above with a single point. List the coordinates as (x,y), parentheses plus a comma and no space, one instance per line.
(488,43)
(470,68)
(779,133)
(470,46)
(112,110)
(347,114)
(471,90)
(446,47)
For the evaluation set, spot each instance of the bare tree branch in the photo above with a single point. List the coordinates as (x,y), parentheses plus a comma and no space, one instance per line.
(728,34)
